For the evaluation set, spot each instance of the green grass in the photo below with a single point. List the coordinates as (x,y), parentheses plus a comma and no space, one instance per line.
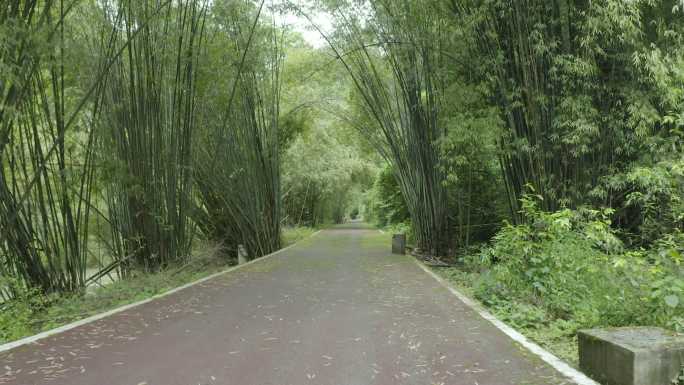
(292,235)
(529,320)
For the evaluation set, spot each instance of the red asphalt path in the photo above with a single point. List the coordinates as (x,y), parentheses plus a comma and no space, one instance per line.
(337,309)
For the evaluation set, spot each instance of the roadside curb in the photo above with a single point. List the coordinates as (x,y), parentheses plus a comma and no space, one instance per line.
(566,370)
(97,317)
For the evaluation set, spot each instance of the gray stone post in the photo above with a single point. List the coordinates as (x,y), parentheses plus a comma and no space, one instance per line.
(242,254)
(399,244)
(631,355)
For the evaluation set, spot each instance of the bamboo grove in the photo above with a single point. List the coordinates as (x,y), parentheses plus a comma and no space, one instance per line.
(136,128)
(104,122)
(477,105)
(239,188)
(537,147)
(400,94)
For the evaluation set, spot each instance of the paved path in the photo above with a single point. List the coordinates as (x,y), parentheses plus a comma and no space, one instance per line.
(336,309)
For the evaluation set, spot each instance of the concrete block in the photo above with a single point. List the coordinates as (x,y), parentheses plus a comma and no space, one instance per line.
(631,356)
(242,254)
(399,244)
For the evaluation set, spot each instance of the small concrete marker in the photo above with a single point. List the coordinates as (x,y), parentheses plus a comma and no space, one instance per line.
(242,255)
(399,244)
(631,355)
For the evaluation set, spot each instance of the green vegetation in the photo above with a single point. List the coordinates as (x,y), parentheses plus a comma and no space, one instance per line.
(536,146)
(148,121)
(326,166)
(237,146)
(132,132)
(567,270)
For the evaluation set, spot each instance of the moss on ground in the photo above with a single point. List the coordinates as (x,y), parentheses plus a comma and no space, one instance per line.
(375,239)
(292,235)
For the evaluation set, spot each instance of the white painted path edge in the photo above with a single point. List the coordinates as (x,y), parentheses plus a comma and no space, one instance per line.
(566,370)
(61,329)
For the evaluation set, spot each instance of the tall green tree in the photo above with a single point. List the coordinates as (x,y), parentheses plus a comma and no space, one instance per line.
(238,182)
(564,78)
(149,119)
(47,109)
(400,88)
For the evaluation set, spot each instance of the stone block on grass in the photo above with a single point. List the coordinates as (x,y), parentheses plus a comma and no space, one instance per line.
(631,356)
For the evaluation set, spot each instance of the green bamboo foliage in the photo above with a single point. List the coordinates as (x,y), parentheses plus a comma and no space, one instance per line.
(557,82)
(242,195)
(148,125)
(239,185)
(46,151)
(400,88)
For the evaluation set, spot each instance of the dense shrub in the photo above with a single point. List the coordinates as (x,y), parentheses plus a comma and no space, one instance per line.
(649,200)
(572,265)
(17,313)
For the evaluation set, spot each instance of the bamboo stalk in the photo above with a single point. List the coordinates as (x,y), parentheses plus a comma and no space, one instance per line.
(150,117)
(239,198)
